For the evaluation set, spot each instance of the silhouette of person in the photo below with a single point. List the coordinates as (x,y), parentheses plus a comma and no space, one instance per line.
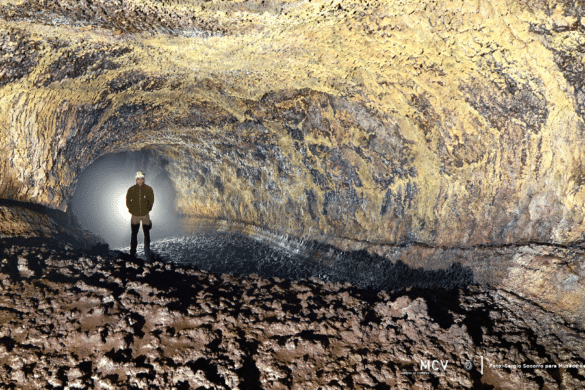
(139,200)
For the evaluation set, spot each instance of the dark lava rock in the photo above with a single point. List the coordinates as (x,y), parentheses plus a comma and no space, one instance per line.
(71,319)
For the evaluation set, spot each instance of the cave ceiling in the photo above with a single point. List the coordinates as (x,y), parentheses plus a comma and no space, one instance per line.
(440,122)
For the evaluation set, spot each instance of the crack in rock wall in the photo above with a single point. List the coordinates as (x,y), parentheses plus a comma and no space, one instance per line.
(445,123)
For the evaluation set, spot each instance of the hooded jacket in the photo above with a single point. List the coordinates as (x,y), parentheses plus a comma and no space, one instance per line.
(139,200)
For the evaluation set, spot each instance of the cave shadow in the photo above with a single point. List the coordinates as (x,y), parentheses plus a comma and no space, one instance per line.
(239,254)
(380,273)
(442,297)
(72,232)
(62,218)
(367,274)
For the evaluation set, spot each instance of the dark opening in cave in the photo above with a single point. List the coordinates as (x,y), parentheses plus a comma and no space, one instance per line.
(99,200)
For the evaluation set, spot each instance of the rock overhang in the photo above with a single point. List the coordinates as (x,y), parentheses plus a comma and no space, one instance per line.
(449,124)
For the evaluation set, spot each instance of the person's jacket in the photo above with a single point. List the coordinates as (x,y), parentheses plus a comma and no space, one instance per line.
(139,200)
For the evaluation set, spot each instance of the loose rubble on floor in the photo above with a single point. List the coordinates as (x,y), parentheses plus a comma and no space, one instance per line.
(70,319)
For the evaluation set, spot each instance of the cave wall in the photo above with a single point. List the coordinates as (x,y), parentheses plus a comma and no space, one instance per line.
(444,123)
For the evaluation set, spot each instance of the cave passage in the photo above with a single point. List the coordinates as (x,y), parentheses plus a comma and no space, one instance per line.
(224,246)
(99,200)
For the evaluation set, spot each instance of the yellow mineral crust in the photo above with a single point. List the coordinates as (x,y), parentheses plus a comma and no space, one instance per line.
(449,123)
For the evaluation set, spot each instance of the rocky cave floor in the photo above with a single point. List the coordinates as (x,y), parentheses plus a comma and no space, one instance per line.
(72,319)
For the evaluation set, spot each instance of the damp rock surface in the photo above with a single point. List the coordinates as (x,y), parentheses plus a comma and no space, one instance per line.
(85,320)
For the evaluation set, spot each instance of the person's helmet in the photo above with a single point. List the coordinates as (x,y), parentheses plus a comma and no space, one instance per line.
(139,175)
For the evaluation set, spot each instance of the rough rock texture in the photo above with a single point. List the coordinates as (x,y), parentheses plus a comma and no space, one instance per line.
(73,320)
(445,123)
(427,132)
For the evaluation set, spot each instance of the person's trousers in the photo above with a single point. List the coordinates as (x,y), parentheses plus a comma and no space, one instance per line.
(135,226)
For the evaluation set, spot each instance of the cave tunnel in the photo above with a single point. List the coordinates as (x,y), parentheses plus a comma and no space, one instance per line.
(431,153)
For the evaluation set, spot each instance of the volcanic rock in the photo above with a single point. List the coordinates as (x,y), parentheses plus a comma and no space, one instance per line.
(112,321)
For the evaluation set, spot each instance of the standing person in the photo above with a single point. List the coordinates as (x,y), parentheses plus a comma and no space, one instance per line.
(139,200)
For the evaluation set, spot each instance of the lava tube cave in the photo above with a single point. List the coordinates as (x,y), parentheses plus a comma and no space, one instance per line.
(345,195)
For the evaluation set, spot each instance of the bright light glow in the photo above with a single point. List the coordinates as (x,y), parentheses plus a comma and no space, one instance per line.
(99,201)
(118,206)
